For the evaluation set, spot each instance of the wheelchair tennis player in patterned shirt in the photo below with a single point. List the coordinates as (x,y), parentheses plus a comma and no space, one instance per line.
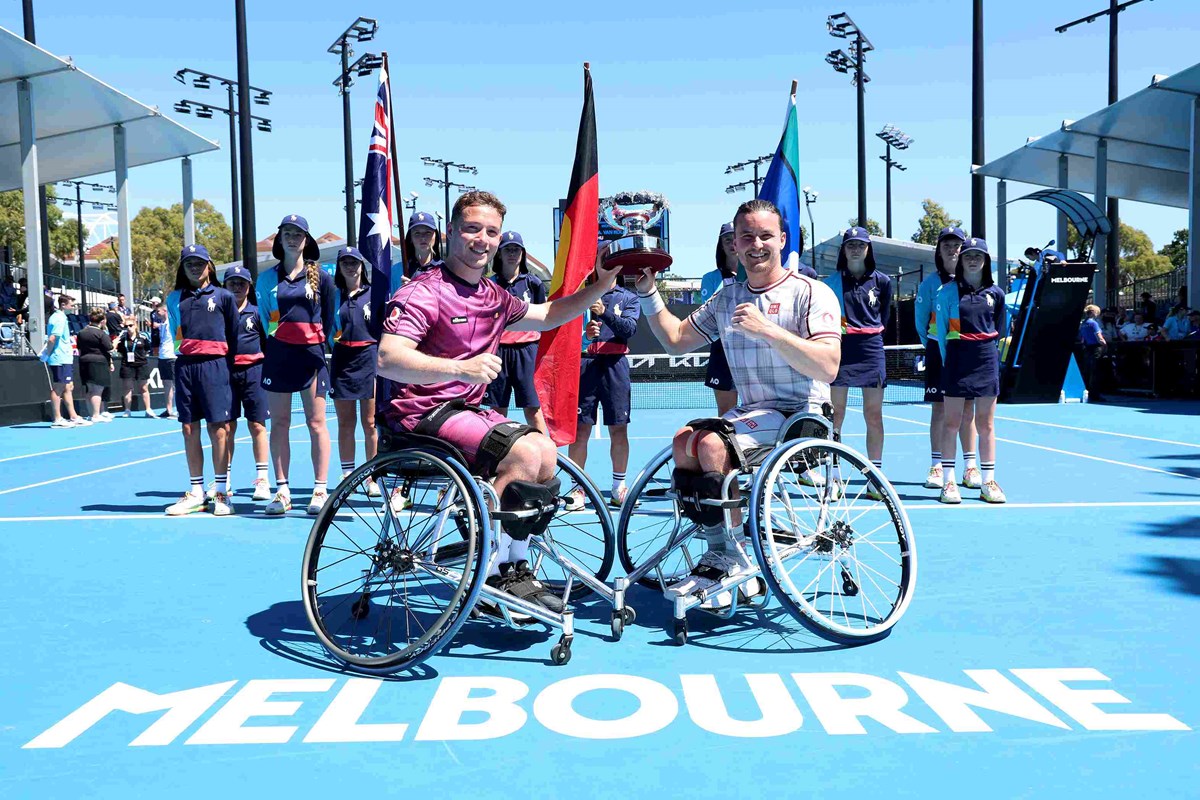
(781,332)
(441,334)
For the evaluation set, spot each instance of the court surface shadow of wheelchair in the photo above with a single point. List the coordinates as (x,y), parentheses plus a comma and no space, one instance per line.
(757,630)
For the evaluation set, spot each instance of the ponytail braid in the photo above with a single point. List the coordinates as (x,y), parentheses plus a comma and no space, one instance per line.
(312,276)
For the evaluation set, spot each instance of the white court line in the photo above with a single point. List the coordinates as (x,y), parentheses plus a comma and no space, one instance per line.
(1106,433)
(84,446)
(1066,452)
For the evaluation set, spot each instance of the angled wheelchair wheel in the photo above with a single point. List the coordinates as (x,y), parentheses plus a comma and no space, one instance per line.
(584,535)
(839,555)
(386,587)
(650,519)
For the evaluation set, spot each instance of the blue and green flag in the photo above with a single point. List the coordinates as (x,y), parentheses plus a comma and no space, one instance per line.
(781,186)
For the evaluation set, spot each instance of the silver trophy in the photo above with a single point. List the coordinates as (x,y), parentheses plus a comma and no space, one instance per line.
(635,213)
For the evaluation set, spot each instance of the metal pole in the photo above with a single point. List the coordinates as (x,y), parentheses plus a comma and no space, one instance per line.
(1113,262)
(1193,252)
(249,252)
(446,187)
(233,173)
(189,205)
(887,169)
(33,221)
(812,231)
(124,237)
(1002,233)
(1100,281)
(1060,238)
(79,243)
(43,210)
(978,189)
(347,146)
(862,132)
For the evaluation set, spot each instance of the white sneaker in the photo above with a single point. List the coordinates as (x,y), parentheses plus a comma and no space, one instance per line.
(837,489)
(262,489)
(151,415)
(107,416)
(373,489)
(813,478)
(972,479)
(280,504)
(400,501)
(188,504)
(950,494)
(316,503)
(616,498)
(222,507)
(81,422)
(874,492)
(172,414)
(575,500)
(934,479)
(712,568)
(61,423)
(992,493)
(211,492)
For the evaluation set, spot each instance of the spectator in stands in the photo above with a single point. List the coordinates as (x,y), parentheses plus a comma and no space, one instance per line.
(162,338)
(8,299)
(21,301)
(1148,308)
(518,349)
(134,349)
(728,270)
(58,355)
(95,363)
(422,244)
(115,320)
(1108,325)
(1134,331)
(1193,332)
(1091,336)
(123,306)
(1176,326)
(604,380)
(1154,333)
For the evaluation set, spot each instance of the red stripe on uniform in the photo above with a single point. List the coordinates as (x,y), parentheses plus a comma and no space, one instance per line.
(247,358)
(977,337)
(865,330)
(300,332)
(606,349)
(203,347)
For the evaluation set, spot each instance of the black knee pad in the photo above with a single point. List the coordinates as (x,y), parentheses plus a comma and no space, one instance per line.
(692,487)
(523,495)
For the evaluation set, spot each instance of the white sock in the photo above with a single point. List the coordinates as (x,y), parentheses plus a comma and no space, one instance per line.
(281,487)
(935,458)
(988,468)
(968,460)
(618,481)
(718,540)
(197,485)
(222,484)
(261,469)
(518,550)
(503,546)
(347,467)
(878,464)
(319,486)
(948,472)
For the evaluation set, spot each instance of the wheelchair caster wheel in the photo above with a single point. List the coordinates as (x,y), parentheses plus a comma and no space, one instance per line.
(618,625)
(629,614)
(560,654)
(849,587)
(681,632)
(361,607)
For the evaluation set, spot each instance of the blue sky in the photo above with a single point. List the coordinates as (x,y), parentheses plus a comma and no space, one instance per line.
(681,91)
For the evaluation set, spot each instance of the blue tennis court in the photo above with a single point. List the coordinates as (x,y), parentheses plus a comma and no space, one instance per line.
(1049,649)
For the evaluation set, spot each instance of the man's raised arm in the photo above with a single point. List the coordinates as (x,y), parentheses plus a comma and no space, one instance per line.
(554,313)
(677,336)
(400,361)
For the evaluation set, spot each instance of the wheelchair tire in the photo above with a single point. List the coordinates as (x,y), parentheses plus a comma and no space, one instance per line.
(649,519)
(843,564)
(386,589)
(585,535)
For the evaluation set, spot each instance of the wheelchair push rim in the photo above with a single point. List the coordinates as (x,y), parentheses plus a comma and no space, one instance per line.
(584,535)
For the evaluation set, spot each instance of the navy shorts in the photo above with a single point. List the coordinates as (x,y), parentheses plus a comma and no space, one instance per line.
(862,362)
(290,368)
(718,377)
(354,372)
(249,397)
(516,377)
(202,390)
(604,380)
(62,373)
(933,372)
(972,369)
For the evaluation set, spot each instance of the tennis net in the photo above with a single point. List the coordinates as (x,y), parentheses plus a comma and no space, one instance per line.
(664,381)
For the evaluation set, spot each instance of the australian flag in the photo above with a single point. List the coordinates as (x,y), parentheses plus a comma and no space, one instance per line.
(378,204)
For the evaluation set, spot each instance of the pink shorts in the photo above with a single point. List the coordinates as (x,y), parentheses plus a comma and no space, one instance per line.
(465,430)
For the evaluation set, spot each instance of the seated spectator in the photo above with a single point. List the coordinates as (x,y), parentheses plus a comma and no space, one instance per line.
(1108,325)
(1154,334)
(22,301)
(1148,308)
(1134,331)
(1176,326)
(114,320)
(1193,331)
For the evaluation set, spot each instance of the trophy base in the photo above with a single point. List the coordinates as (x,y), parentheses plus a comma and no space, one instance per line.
(636,253)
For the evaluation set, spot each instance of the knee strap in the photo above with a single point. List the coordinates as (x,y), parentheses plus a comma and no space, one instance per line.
(496,445)
(522,496)
(722,428)
(691,487)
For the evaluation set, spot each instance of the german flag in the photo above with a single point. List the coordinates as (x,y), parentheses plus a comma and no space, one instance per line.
(556,374)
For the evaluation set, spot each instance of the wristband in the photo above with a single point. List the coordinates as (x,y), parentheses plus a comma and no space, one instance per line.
(652,303)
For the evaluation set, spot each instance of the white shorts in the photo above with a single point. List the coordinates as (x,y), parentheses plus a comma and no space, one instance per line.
(755,427)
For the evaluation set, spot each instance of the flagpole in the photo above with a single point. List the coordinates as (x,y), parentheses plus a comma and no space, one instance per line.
(387,70)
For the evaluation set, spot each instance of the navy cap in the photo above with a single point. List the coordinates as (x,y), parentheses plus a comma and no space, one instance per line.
(422,218)
(954,231)
(856,234)
(974,244)
(512,237)
(238,271)
(351,252)
(194,251)
(312,250)
(726,228)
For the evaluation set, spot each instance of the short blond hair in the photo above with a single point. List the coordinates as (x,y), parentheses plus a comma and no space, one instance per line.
(473,198)
(1092,310)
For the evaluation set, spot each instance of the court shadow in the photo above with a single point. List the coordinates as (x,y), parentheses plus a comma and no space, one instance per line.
(283,630)
(1182,575)
(1179,528)
(127,508)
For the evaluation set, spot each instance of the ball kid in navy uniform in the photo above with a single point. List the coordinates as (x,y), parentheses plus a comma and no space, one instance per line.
(249,396)
(949,244)
(518,349)
(718,377)
(206,317)
(422,245)
(865,296)
(297,304)
(354,357)
(971,322)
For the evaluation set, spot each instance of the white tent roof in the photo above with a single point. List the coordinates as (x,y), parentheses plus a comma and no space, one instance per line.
(892,256)
(1148,137)
(74,114)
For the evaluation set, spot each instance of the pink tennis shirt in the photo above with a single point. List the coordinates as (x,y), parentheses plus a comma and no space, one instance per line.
(447,318)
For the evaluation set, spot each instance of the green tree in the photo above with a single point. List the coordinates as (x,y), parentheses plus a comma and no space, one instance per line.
(12,225)
(932,221)
(872,226)
(158,235)
(1138,259)
(1176,249)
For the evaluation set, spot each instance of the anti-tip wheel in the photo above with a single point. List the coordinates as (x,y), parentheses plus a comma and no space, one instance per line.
(681,632)
(560,654)
(630,615)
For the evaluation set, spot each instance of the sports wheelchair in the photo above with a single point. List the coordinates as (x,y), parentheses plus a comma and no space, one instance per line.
(388,580)
(828,532)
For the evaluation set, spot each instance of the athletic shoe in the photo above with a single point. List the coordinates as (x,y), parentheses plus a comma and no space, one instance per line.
(188,504)
(874,492)
(992,493)
(576,500)
(61,423)
(972,479)
(950,494)
(524,584)
(316,503)
(279,505)
(211,492)
(107,416)
(127,414)
(741,565)
(221,505)
(400,501)
(616,498)
(172,414)
(934,479)
(711,569)
(373,489)
(262,489)
(151,415)
(837,489)
(812,478)
(99,419)
(81,422)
